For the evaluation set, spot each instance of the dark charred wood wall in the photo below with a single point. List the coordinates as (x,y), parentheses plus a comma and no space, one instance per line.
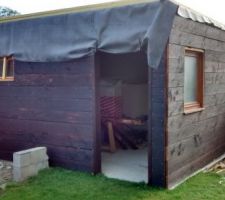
(52,105)
(196,139)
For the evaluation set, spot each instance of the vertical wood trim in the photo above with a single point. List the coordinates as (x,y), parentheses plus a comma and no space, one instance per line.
(112,142)
(157,125)
(202,78)
(166,114)
(97,118)
(150,181)
(4,68)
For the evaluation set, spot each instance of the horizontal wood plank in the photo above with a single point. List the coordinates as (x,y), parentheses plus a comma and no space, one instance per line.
(46,92)
(52,105)
(195,139)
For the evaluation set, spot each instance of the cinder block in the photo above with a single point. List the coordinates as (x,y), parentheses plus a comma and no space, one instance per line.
(42,165)
(22,173)
(21,159)
(29,162)
(38,154)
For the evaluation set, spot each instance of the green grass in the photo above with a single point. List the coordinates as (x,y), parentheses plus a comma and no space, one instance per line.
(59,184)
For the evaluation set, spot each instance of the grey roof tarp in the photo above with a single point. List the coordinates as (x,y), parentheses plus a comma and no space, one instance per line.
(69,36)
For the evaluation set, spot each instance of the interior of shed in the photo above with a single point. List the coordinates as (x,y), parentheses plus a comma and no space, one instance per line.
(123,89)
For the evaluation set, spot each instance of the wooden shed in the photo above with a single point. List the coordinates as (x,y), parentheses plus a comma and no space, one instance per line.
(144,80)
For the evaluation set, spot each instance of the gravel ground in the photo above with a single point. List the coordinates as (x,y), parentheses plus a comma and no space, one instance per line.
(219,167)
(5,171)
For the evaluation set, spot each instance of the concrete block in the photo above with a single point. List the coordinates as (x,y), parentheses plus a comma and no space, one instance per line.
(29,162)
(38,154)
(22,173)
(42,165)
(21,159)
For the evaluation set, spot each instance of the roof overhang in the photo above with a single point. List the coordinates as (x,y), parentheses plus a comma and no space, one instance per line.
(189,13)
(118,27)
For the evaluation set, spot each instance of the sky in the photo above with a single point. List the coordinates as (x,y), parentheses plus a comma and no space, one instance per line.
(211,8)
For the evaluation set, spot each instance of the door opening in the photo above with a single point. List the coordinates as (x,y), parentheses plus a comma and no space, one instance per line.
(123,98)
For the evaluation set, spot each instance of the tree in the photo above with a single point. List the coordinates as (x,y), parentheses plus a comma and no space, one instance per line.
(5,12)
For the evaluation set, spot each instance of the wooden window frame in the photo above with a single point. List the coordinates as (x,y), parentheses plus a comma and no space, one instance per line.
(198,105)
(3,76)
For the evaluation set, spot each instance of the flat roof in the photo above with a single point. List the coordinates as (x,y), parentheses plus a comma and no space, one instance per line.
(183,11)
(76,9)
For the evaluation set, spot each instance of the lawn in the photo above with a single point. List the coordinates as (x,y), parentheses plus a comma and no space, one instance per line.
(60,184)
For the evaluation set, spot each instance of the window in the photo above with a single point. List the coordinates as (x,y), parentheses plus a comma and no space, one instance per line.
(6,69)
(193,80)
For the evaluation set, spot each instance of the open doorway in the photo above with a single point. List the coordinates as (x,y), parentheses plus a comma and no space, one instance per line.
(123,93)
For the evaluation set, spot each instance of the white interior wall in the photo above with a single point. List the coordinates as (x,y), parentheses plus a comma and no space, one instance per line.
(132,71)
(135,99)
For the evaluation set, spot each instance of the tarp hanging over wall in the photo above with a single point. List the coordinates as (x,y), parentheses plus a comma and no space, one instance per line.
(74,35)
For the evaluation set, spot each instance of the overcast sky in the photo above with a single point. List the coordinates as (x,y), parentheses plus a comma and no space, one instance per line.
(212,8)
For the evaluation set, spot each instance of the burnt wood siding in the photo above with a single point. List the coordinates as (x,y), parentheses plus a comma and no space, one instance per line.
(157,124)
(52,105)
(196,139)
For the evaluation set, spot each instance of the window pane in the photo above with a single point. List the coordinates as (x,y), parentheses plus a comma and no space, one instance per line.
(190,79)
(10,69)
